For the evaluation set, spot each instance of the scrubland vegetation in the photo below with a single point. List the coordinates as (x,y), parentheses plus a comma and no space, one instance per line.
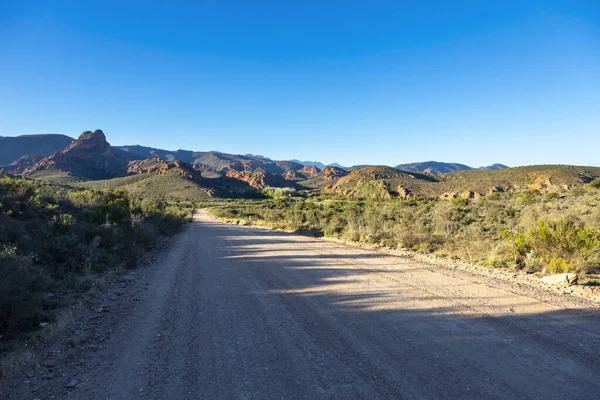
(546,232)
(54,238)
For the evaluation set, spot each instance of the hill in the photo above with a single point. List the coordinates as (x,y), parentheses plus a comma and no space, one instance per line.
(170,183)
(12,148)
(536,177)
(381,182)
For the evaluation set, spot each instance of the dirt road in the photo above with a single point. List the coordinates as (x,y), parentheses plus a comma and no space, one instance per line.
(234,312)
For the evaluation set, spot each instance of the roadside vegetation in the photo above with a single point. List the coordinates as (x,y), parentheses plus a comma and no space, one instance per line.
(54,239)
(546,232)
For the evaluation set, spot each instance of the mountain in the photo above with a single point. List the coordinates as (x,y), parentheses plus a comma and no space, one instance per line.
(493,167)
(88,157)
(438,168)
(12,148)
(258,156)
(334,164)
(143,152)
(215,159)
(433,167)
(318,164)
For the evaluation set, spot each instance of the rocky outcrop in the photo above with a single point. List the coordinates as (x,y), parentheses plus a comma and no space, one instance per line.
(292,176)
(90,157)
(331,173)
(156,165)
(249,166)
(449,196)
(496,189)
(469,194)
(404,193)
(150,164)
(542,183)
(309,171)
(259,179)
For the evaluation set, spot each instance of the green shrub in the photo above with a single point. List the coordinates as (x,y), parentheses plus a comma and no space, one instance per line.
(559,265)
(52,235)
(563,244)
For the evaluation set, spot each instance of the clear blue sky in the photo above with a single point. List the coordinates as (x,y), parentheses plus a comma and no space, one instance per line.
(378,82)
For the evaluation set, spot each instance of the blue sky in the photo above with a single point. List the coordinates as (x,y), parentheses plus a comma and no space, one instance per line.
(357,82)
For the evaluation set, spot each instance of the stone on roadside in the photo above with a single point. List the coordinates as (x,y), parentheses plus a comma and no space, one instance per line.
(73,383)
(569,279)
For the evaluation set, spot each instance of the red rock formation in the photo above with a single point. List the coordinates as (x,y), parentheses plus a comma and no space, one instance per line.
(309,171)
(330,173)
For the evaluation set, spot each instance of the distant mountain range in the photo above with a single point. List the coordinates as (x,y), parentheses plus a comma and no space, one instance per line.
(92,162)
(438,168)
(318,164)
(13,148)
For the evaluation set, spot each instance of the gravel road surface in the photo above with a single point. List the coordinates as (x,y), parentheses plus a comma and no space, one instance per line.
(232,312)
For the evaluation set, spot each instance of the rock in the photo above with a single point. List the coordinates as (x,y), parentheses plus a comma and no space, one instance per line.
(73,383)
(291,176)
(449,196)
(103,309)
(542,183)
(331,173)
(471,195)
(259,179)
(569,279)
(496,189)
(309,171)
(130,277)
(404,193)
(48,376)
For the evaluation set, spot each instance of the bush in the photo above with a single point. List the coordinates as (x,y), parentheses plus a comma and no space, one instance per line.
(52,235)
(561,245)
(554,231)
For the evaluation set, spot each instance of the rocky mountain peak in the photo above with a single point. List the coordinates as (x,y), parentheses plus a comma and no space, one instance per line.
(91,142)
(89,156)
(97,135)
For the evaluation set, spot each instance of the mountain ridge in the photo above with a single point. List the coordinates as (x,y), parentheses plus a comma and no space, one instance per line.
(439,168)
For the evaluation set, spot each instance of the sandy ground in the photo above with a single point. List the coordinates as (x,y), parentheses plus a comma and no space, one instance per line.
(232,312)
